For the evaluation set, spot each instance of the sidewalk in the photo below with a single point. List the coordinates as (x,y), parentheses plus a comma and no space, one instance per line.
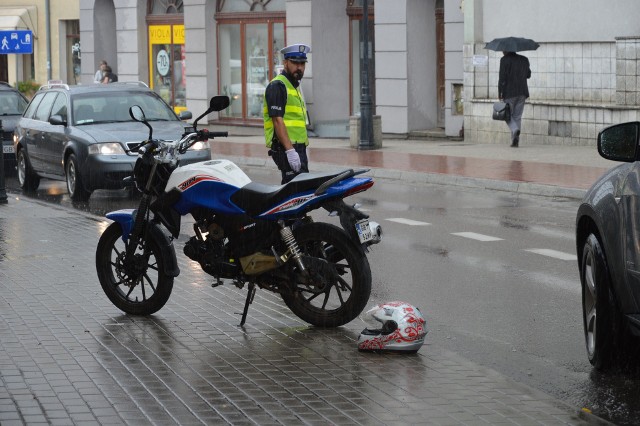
(562,171)
(68,356)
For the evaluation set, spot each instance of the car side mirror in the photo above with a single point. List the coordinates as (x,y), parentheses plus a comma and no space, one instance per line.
(619,142)
(185,115)
(58,120)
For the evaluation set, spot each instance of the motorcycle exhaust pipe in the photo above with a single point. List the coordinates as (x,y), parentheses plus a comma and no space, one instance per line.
(376,230)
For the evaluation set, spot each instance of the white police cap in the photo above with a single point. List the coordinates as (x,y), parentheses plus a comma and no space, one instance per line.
(296,52)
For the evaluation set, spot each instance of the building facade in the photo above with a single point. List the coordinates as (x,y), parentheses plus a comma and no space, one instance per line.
(191,50)
(584,74)
(55,26)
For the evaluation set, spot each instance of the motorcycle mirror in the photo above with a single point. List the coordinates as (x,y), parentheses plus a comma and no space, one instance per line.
(137,114)
(217,103)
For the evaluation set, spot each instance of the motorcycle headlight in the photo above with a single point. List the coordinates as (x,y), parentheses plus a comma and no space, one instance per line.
(199,146)
(110,148)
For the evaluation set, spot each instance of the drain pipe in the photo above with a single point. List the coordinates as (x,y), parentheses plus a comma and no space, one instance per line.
(48,31)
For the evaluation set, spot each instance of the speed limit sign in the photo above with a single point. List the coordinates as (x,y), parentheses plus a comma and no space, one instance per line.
(162,62)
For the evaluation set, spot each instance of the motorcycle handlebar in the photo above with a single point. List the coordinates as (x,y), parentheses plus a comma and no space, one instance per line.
(218,134)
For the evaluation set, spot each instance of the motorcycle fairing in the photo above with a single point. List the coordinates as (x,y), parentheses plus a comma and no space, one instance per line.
(211,194)
(301,203)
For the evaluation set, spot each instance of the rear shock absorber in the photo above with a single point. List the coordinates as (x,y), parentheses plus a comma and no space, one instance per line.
(292,245)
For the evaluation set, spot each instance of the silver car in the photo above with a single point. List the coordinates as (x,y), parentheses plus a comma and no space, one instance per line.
(84,135)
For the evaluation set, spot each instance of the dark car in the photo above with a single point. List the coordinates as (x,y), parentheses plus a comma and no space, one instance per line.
(608,247)
(84,135)
(12,105)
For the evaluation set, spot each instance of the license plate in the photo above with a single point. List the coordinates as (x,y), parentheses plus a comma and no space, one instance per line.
(364,231)
(7,149)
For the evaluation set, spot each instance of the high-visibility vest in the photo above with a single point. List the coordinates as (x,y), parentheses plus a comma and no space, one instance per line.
(295,116)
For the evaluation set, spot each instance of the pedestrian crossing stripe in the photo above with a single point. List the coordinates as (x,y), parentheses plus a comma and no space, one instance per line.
(553,253)
(478,237)
(407,221)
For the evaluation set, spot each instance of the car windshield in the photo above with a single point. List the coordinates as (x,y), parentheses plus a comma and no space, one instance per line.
(11,103)
(100,107)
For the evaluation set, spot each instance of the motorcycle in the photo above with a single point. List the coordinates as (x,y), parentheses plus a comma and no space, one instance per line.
(247,232)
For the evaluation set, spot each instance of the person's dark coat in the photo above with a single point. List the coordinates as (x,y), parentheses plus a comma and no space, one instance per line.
(514,72)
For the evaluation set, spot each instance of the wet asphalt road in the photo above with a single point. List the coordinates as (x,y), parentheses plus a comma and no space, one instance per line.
(465,258)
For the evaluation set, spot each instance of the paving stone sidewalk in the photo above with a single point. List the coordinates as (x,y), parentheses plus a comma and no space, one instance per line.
(67,356)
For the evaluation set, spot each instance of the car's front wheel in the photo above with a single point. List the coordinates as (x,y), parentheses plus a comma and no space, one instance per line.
(75,185)
(601,319)
(27,178)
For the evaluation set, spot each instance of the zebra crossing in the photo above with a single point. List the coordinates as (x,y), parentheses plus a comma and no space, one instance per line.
(555,254)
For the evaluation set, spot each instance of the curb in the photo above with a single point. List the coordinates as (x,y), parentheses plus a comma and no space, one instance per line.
(523,188)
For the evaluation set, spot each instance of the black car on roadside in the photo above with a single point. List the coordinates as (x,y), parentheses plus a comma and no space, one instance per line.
(84,135)
(608,248)
(12,105)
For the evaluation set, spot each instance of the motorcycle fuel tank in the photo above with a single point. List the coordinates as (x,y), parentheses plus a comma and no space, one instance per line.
(223,171)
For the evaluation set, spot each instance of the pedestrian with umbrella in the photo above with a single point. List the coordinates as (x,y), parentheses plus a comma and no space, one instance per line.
(512,79)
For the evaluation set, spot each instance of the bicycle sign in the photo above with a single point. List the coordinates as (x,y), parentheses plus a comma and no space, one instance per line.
(16,41)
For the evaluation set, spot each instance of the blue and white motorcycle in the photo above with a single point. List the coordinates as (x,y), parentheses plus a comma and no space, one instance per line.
(245,232)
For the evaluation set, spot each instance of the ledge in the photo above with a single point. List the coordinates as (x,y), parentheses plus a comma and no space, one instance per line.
(575,104)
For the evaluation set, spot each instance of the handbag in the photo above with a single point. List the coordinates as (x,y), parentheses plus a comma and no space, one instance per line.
(501,111)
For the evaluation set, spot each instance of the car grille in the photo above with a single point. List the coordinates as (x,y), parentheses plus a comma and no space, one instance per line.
(132,145)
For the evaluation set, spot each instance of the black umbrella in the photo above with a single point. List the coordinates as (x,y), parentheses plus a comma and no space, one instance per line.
(511,44)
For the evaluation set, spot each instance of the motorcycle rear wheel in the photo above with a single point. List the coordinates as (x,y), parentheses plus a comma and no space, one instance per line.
(142,294)
(339,282)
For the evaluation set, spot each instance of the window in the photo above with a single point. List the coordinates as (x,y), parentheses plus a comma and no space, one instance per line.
(250,36)
(60,107)
(44,108)
(74,58)
(167,65)
(33,105)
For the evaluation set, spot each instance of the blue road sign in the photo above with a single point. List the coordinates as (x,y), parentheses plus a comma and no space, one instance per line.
(16,41)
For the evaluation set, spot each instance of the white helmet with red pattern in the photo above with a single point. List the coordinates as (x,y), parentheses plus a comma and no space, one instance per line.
(403,328)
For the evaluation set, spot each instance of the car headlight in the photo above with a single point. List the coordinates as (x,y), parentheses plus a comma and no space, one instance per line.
(111,148)
(199,146)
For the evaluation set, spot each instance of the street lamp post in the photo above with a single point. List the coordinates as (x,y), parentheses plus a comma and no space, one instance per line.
(366,112)
(3,191)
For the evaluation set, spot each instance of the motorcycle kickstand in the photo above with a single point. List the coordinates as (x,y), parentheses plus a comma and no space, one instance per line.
(250,294)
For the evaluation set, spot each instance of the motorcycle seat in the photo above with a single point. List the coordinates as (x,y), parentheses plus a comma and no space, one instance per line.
(255,198)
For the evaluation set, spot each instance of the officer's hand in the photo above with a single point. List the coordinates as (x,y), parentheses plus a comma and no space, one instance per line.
(294,160)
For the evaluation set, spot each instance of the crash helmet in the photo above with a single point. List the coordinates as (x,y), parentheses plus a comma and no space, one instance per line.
(402,328)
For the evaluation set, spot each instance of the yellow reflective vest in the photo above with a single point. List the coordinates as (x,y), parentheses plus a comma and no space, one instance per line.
(295,115)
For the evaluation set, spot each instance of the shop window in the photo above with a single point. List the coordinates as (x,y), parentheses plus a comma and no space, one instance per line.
(167,64)
(249,57)
(74,51)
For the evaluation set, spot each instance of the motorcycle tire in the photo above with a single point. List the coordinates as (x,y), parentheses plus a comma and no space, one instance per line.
(136,296)
(338,284)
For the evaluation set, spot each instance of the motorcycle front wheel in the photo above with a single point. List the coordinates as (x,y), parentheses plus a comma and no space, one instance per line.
(337,283)
(141,288)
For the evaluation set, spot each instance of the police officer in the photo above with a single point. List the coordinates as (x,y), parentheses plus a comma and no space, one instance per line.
(285,115)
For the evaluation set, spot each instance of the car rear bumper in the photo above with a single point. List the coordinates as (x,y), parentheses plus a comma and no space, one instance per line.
(108,172)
